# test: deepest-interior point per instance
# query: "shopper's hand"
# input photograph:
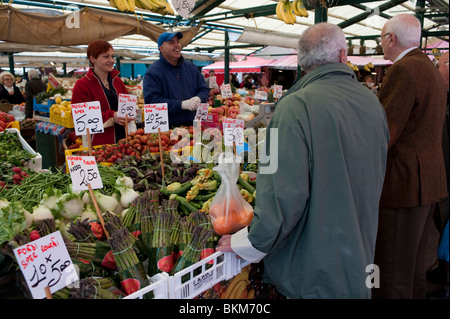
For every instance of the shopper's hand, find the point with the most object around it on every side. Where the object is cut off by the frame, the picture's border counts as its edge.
(189, 105)
(225, 244)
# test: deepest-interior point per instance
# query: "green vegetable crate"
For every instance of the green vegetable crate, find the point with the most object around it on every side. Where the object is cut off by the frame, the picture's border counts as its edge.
(36, 162)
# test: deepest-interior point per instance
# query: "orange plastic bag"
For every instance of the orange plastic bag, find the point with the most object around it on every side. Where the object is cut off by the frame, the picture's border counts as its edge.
(229, 211)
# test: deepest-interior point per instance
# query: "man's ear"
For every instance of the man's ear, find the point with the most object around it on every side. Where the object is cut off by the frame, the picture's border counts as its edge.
(343, 56)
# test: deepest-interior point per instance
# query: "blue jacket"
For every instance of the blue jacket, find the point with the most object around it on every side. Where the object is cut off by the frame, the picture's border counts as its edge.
(165, 83)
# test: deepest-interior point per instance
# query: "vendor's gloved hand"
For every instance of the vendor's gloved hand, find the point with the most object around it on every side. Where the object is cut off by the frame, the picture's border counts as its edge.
(196, 100)
(189, 105)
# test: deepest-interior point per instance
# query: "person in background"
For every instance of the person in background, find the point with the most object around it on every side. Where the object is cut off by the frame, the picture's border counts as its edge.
(33, 87)
(175, 81)
(413, 96)
(10, 91)
(211, 81)
(234, 80)
(102, 83)
(370, 84)
(439, 274)
(315, 219)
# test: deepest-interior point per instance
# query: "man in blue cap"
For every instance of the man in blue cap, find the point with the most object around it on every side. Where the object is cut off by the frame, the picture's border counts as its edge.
(175, 81)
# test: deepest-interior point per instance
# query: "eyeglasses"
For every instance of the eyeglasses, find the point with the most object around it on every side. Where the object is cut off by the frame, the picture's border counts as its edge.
(8, 79)
(382, 36)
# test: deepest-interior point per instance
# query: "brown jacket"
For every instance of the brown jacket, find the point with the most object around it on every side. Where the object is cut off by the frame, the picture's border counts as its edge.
(413, 95)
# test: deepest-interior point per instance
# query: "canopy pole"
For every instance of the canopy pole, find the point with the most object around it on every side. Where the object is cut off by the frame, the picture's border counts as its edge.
(227, 60)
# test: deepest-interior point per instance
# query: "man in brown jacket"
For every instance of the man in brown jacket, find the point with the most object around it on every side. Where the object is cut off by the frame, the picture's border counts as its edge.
(414, 99)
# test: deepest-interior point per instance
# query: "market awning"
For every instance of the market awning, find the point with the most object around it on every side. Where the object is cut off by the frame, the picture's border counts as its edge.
(247, 64)
(288, 62)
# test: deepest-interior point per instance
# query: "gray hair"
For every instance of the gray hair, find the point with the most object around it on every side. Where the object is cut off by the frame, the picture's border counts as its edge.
(406, 28)
(320, 44)
(5, 73)
(33, 74)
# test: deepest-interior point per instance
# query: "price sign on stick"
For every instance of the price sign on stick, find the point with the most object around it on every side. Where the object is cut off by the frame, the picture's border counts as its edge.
(83, 171)
(127, 106)
(225, 91)
(233, 131)
(45, 262)
(202, 112)
(87, 115)
(183, 7)
(156, 116)
(277, 91)
(260, 95)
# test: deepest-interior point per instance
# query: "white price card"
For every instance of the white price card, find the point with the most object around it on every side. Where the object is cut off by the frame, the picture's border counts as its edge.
(277, 91)
(87, 115)
(183, 7)
(127, 105)
(225, 91)
(202, 112)
(156, 116)
(45, 262)
(260, 95)
(233, 131)
(83, 171)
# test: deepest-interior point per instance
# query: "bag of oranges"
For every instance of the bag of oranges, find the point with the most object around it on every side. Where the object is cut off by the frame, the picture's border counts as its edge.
(229, 210)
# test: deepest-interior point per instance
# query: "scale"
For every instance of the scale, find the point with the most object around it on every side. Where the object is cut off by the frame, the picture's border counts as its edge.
(263, 118)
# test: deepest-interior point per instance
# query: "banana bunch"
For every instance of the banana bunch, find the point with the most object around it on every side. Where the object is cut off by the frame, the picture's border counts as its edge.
(162, 7)
(436, 53)
(299, 8)
(368, 66)
(123, 5)
(354, 67)
(285, 12)
(237, 289)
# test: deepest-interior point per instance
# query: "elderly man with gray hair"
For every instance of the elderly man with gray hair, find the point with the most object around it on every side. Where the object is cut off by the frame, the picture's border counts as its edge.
(33, 87)
(315, 217)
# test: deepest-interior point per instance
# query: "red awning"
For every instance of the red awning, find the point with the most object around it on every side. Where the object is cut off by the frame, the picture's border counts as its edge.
(249, 65)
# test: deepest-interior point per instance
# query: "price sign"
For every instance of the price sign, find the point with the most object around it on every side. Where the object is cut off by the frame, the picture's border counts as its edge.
(87, 115)
(183, 7)
(84, 170)
(202, 112)
(45, 262)
(225, 91)
(233, 131)
(277, 91)
(260, 95)
(156, 116)
(127, 105)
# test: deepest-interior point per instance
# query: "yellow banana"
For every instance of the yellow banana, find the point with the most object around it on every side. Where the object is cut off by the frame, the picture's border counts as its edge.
(159, 3)
(251, 294)
(370, 65)
(132, 5)
(366, 67)
(237, 290)
(147, 4)
(302, 9)
(290, 16)
(120, 5)
(279, 9)
(112, 3)
(355, 68)
(296, 7)
(169, 8)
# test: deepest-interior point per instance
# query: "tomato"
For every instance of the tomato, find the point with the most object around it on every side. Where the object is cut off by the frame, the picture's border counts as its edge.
(229, 222)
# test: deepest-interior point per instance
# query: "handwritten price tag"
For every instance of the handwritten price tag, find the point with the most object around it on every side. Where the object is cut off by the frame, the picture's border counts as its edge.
(45, 262)
(87, 115)
(156, 116)
(183, 7)
(127, 105)
(260, 95)
(202, 112)
(225, 91)
(84, 170)
(277, 91)
(233, 131)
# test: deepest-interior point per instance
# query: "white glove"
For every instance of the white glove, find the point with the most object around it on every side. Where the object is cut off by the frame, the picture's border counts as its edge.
(196, 100)
(188, 105)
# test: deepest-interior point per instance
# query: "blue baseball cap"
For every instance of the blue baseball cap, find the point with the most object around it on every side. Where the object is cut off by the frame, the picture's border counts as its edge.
(167, 36)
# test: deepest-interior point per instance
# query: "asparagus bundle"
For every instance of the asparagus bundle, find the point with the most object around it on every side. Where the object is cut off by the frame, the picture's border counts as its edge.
(45, 226)
(90, 269)
(132, 217)
(150, 204)
(193, 250)
(77, 293)
(91, 289)
(81, 231)
(131, 270)
(98, 252)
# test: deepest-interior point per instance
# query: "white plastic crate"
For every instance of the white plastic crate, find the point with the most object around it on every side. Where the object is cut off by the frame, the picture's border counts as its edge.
(36, 162)
(222, 268)
(159, 285)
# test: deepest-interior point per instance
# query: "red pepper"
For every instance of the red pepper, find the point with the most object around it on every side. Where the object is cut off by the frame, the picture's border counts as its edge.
(16, 169)
(34, 234)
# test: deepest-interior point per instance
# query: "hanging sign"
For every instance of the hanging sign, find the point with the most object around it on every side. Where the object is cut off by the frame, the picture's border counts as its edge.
(225, 91)
(233, 131)
(277, 91)
(45, 262)
(156, 116)
(183, 7)
(83, 171)
(202, 112)
(127, 106)
(87, 115)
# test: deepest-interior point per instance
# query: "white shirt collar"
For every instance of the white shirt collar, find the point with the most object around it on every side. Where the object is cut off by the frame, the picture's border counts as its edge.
(401, 55)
